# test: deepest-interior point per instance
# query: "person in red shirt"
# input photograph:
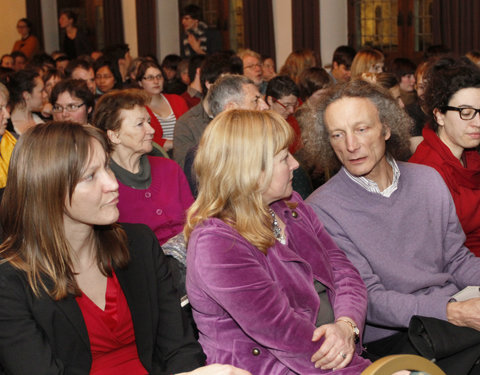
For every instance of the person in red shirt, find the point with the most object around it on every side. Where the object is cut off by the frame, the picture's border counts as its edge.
(164, 109)
(282, 97)
(81, 294)
(452, 137)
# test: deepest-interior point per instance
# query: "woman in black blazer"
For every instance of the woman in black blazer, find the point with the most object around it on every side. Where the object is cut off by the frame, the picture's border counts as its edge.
(62, 247)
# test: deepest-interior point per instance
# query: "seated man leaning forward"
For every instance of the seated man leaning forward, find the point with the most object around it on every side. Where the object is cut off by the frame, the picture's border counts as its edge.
(395, 221)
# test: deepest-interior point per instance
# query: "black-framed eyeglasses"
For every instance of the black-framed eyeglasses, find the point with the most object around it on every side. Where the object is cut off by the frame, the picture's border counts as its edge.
(286, 106)
(72, 107)
(466, 113)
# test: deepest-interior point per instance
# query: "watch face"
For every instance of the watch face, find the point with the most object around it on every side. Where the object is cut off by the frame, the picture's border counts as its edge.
(356, 335)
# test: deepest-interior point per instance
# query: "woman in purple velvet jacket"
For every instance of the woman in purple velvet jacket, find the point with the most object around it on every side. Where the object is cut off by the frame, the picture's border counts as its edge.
(270, 290)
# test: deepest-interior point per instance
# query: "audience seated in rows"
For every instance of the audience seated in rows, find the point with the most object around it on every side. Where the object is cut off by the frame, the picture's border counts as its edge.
(80, 293)
(73, 100)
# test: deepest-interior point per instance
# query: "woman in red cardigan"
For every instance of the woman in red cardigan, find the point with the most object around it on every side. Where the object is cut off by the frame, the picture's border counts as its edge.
(164, 109)
(452, 137)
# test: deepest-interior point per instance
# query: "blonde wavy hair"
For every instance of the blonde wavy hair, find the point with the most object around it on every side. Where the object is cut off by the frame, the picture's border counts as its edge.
(364, 60)
(234, 166)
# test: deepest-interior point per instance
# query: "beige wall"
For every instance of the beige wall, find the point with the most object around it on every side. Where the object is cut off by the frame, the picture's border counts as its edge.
(333, 27)
(282, 24)
(50, 25)
(11, 11)
(130, 26)
(168, 38)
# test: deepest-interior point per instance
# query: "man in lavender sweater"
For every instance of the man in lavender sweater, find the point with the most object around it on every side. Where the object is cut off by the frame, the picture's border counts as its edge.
(395, 221)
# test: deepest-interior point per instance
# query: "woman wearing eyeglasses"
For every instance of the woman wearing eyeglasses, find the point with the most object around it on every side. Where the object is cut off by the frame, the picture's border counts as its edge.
(452, 137)
(282, 97)
(72, 101)
(81, 294)
(164, 109)
(28, 43)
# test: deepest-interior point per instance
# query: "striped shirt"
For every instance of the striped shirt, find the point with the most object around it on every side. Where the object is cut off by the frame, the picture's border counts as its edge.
(372, 186)
(168, 124)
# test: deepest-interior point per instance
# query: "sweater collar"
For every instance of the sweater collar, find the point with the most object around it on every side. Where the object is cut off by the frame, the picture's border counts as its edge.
(140, 180)
(372, 186)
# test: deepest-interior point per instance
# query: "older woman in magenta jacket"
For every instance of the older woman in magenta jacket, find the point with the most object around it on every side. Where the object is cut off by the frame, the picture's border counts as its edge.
(153, 190)
(270, 290)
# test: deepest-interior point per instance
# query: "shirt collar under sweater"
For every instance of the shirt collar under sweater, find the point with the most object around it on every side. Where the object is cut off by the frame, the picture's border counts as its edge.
(372, 186)
(140, 180)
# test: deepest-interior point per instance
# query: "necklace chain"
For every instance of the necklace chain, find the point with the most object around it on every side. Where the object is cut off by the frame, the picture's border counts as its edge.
(277, 231)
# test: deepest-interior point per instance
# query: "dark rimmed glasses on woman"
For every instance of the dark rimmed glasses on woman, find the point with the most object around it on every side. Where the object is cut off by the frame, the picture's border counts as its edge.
(69, 107)
(466, 113)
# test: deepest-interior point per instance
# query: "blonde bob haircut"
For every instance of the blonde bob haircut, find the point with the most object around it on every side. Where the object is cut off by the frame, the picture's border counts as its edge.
(364, 60)
(47, 163)
(234, 167)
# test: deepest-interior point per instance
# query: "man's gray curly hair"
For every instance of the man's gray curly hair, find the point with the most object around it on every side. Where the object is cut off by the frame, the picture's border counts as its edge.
(316, 139)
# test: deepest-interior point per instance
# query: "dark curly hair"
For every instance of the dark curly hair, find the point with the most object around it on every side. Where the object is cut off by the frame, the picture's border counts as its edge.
(445, 78)
(315, 134)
